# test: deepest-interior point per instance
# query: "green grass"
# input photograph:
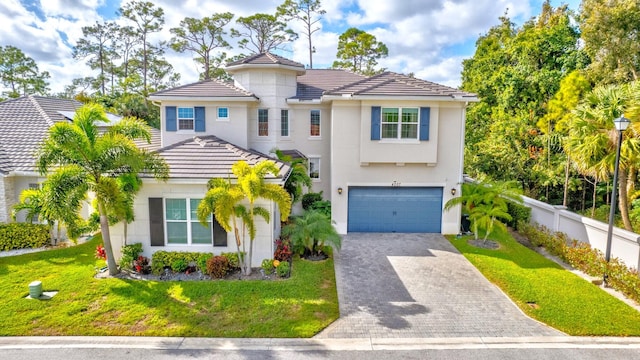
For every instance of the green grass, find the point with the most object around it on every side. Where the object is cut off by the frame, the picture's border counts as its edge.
(566, 301)
(297, 307)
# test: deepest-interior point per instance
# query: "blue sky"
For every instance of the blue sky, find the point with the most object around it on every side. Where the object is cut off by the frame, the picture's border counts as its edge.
(429, 38)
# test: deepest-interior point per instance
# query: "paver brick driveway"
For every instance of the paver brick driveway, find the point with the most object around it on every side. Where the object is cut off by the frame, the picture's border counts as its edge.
(419, 285)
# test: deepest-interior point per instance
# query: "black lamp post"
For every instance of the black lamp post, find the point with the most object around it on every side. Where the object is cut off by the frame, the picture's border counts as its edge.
(621, 125)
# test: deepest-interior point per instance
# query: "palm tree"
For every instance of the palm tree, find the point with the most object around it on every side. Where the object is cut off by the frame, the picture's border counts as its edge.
(233, 202)
(592, 140)
(83, 160)
(298, 177)
(312, 231)
(486, 203)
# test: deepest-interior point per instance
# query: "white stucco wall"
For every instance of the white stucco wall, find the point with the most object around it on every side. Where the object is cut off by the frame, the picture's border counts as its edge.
(233, 130)
(139, 232)
(424, 166)
(6, 198)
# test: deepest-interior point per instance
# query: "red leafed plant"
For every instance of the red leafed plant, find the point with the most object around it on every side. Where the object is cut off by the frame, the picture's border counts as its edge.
(283, 250)
(100, 253)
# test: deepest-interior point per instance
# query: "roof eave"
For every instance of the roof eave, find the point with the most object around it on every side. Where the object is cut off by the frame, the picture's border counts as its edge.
(349, 97)
(204, 98)
(304, 101)
(235, 68)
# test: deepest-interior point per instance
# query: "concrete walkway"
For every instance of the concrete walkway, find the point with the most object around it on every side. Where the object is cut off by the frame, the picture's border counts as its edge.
(419, 286)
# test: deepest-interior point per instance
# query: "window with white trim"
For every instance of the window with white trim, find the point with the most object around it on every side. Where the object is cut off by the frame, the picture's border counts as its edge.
(185, 118)
(284, 122)
(314, 168)
(223, 113)
(400, 123)
(314, 123)
(263, 122)
(182, 224)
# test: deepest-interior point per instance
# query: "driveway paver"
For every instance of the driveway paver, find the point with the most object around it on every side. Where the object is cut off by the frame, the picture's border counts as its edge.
(419, 286)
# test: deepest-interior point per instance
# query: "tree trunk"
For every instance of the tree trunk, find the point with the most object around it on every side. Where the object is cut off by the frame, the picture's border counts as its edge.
(106, 239)
(623, 200)
(593, 206)
(566, 184)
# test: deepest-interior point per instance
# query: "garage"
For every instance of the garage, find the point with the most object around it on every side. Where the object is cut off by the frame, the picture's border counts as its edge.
(395, 209)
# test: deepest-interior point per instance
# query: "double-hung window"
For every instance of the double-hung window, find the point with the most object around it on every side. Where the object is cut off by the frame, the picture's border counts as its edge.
(185, 118)
(263, 122)
(284, 122)
(314, 123)
(400, 123)
(183, 226)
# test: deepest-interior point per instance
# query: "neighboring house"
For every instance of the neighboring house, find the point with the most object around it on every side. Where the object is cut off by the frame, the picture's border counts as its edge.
(386, 150)
(24, 124)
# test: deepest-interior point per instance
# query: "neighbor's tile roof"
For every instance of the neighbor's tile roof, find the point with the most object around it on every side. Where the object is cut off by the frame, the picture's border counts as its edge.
(155, 144)
(315, 82)
(208, 157)
(266, 59)
(394, 84)
(205, 88)
(24, 123)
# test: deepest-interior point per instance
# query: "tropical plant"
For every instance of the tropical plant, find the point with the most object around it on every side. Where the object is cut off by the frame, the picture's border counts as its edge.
(486, 203)
(298, 177)
(84, 160)
(232, 203)
(310, 232)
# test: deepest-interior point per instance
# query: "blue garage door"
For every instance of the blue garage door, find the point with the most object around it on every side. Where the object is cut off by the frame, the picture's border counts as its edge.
(395, 209)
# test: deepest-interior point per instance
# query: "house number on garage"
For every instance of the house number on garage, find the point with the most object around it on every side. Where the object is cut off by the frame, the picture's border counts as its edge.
(395, 183)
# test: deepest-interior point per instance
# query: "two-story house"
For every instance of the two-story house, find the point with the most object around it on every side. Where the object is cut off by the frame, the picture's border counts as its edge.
(387, 150)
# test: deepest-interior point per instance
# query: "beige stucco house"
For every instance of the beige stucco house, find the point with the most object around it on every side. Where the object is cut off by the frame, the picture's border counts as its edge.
(387, 150)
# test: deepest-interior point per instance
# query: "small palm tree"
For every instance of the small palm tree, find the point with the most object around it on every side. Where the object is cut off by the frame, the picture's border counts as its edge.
(486, 203)
(298, 178)
(78, 159)
(312, 231)
(230, 202)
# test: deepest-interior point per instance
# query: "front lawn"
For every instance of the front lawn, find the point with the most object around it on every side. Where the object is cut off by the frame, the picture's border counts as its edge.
(298, 307)
(548, 293)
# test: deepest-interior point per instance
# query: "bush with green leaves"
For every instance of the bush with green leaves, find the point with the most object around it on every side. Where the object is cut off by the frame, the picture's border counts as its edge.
(202, 261)
(234, 262)
(283, 270)
(267, 266)
(179, 265)
(519, 213)
(218, 266)
(162, 259)
(129, 254)
(583, 257)
(309, 199)
(23, 236)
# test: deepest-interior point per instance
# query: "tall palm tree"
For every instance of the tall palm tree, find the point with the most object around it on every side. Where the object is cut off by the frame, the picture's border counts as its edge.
(77, 158)
(592, 140)
(232, 203)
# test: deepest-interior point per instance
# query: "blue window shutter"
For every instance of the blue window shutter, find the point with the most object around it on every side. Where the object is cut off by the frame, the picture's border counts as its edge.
(170, 118)
(375, 122)
(425, 114)
(199, 119)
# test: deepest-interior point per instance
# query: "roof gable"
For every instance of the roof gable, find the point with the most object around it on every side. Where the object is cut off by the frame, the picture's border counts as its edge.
(204, 89)
(315, 82)
(266, 58)
(208, 157)
(394, 84)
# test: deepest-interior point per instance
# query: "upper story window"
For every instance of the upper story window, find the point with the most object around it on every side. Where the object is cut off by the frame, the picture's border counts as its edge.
(314, 167)
(185, 118)
(314, 123)
(263, 122)
(400, 123)
(284, 122)
(223, 113)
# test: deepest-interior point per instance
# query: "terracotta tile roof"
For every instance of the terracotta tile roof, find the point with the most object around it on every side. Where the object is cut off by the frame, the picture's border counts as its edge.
(24, 123)
(315, 82)
(209, 157)
(205, 88)
(394, 84)
(266, 59)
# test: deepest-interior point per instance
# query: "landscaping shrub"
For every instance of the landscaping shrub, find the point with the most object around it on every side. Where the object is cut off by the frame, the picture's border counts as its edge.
(283, 250)
(267, 266)
(129, 254)
(583, 257)
(23, 236)
(519, 213)
(323, 207)
(218, 266)
(283, 269)
(162, 259)
(179, 265)
(309, 199)
(234, 262)
(202, 261)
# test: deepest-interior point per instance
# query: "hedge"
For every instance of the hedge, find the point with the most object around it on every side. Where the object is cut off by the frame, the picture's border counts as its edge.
(583, 257)
(162, 259)
(519, 213)
(22, 236)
